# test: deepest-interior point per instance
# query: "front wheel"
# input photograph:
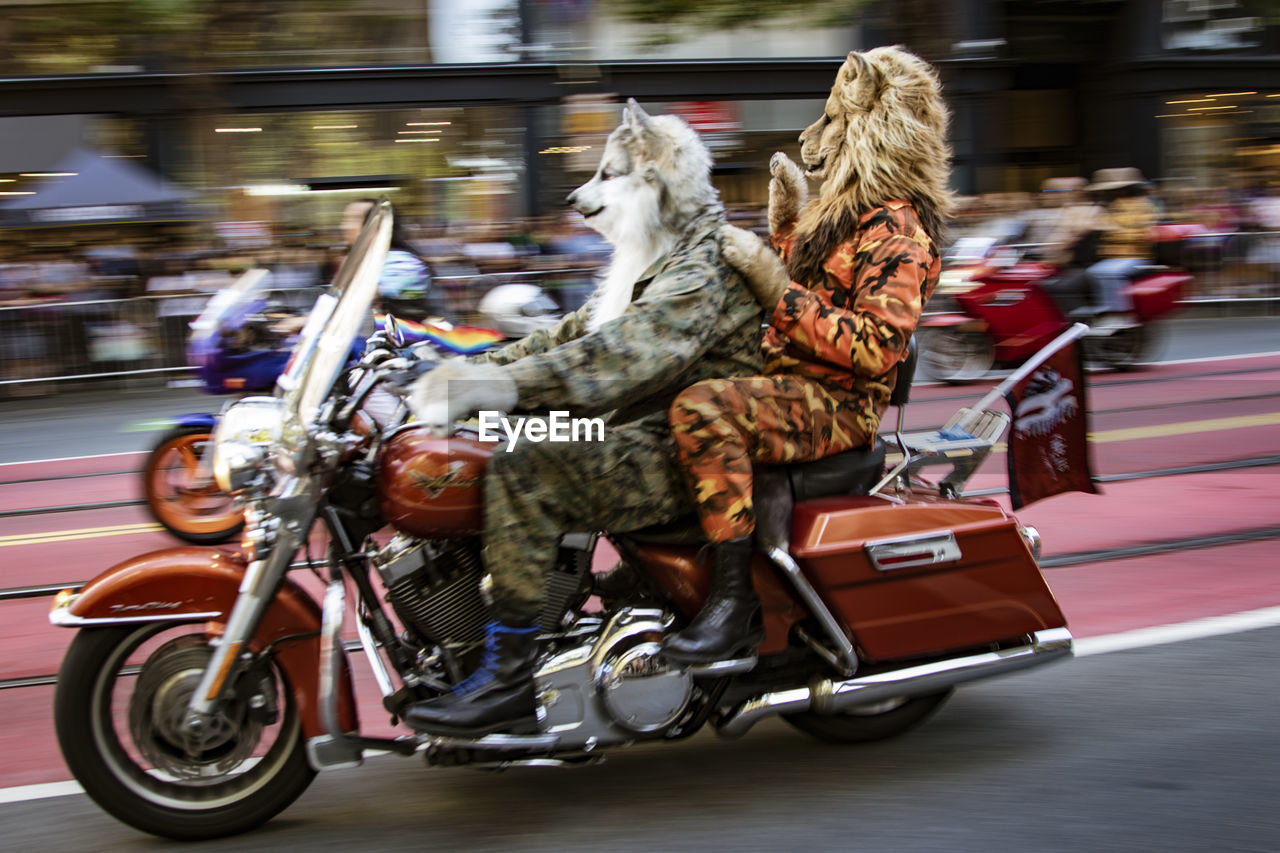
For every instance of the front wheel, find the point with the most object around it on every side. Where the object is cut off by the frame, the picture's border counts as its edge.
(179, 489)
(875, 721)
(954, 355)
(119, 711)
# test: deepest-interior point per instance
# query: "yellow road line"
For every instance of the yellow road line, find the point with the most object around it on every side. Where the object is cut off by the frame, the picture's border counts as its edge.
(1102, 437)
(1107, 436)
(82, 533)
(1184, 428)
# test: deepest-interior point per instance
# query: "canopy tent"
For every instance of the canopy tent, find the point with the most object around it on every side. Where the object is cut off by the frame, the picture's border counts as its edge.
(97, 190)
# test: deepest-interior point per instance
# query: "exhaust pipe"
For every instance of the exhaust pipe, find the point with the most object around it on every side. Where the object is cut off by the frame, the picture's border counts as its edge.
(833, 697)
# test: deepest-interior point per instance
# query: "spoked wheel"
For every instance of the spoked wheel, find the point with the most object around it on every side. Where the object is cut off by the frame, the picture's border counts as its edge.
(180, 491)
(119, 713)
(954, 355)
(874, 721)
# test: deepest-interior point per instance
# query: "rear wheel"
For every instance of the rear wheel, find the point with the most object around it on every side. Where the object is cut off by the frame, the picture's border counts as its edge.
(955, 355)
(1124, 349)
(178, 485)
(875, 721)
(119, 712)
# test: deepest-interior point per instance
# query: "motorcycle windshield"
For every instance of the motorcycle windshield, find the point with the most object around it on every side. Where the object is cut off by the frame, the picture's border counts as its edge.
(228, 308)
(325, 342)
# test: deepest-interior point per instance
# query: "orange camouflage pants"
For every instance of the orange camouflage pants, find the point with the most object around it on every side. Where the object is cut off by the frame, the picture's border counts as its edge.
(722, 426)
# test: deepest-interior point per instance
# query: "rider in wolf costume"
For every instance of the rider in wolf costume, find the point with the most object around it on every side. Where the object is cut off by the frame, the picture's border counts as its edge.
(860, 262)
(670, 312)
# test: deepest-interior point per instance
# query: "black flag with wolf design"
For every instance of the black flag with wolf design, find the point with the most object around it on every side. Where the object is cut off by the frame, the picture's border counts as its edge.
(1048, 443)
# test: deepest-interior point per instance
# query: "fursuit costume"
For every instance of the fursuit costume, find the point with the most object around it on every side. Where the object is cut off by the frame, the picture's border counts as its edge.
(691, 318)
(831, 359)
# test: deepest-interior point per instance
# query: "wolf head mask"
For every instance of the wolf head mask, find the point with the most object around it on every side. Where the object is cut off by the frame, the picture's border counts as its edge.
(653, 184)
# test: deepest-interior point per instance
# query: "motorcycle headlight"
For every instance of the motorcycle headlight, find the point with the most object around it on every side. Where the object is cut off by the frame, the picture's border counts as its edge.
(246, 431)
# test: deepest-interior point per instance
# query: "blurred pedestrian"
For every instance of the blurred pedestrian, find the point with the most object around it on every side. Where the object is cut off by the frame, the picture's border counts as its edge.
(404, 287)
(1127, 236)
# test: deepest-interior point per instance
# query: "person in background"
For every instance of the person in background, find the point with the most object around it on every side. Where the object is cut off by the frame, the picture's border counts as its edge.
(404, 288)
(1069, 241)
(1127, 224)
(1067, 237)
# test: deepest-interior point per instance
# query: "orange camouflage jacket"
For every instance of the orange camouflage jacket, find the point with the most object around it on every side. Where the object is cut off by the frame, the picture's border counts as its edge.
(851, 330)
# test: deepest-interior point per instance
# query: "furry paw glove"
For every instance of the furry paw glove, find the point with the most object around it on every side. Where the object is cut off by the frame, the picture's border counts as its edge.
(457, 389)
(787, 192)
(760, 267)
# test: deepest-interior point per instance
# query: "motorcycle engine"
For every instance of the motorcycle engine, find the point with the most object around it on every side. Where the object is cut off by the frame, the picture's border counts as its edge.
(641, 691)
(435, 587)
(616, 686)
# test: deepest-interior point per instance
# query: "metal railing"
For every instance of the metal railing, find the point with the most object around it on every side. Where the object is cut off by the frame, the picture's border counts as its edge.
(145, 336)
(51, 342)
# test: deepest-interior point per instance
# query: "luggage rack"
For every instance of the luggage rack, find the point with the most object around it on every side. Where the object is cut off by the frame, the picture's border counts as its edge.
(968, 437)
(964, 443)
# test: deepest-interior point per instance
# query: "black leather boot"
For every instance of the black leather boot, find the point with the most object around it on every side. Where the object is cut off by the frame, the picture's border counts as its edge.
(727, 626)
(497, 696)
(621, 583)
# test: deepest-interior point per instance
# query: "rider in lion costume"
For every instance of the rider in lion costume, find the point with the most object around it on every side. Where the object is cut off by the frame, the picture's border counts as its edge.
(860, 261)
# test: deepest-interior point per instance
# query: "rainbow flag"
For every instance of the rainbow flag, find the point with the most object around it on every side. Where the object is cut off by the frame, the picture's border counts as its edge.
(460, 340)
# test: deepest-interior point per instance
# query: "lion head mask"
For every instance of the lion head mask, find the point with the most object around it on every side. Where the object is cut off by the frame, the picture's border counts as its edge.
(882, 136)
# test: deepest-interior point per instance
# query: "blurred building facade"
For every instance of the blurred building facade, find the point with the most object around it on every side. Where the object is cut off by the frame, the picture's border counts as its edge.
(487, 110)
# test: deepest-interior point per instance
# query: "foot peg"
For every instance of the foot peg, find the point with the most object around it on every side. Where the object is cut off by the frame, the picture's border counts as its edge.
(722, 668)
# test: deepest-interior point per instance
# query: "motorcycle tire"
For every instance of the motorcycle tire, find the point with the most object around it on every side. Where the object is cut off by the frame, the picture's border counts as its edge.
(1123, 350)
(878, 721)
(955, 356)
(175, 796)
(195, 512)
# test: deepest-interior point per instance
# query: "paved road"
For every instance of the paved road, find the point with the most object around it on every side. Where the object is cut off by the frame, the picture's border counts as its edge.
(1163, 748)
(130, 419)
(1171, 748)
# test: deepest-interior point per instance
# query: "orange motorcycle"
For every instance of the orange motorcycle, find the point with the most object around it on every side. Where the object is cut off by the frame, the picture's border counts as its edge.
(205, 688)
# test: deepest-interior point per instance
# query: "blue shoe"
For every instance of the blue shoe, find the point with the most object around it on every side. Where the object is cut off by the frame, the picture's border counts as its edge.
(497, 696)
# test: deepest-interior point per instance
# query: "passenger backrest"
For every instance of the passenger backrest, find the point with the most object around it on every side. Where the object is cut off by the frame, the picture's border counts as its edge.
(906, 373)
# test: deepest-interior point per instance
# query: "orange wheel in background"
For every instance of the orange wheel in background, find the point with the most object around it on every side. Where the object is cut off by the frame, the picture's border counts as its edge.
(180, 491)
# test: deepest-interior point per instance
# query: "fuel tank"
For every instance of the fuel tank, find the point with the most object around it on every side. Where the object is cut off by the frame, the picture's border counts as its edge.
(433, 487)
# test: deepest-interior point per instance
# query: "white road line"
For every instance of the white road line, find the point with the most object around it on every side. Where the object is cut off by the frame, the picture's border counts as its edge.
(76, 458)
(1211, 626)
(46, 791)
(1204, 358)
(1196, 629)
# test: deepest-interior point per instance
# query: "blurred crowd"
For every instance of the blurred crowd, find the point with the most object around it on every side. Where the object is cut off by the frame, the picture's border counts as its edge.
(87, 307)
(1230, 237)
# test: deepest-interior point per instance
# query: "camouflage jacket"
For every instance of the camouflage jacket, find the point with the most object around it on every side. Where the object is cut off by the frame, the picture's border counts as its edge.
(851, 330)
(691, 318)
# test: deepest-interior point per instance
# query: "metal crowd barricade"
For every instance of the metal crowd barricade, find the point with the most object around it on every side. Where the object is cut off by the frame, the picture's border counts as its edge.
(1235, 265)
(43, 343)
(55, 341)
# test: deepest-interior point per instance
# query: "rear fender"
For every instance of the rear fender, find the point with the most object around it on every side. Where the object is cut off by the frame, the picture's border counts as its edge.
(200, 585)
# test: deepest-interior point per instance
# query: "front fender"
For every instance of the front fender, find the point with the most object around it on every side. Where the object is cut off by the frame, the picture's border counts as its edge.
(197, 419)
(200, 585)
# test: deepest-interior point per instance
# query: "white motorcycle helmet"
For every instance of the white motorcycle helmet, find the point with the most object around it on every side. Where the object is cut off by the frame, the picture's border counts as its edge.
(516, 310)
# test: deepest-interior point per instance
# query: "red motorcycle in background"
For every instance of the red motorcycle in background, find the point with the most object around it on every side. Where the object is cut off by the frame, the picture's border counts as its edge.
(205, 688)
(1004, 314)
(1000, 311)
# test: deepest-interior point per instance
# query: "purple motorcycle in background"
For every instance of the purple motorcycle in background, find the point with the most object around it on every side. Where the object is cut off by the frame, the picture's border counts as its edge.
(240, 344)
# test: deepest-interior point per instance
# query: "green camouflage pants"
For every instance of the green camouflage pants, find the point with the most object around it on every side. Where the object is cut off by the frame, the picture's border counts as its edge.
(540, 491)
